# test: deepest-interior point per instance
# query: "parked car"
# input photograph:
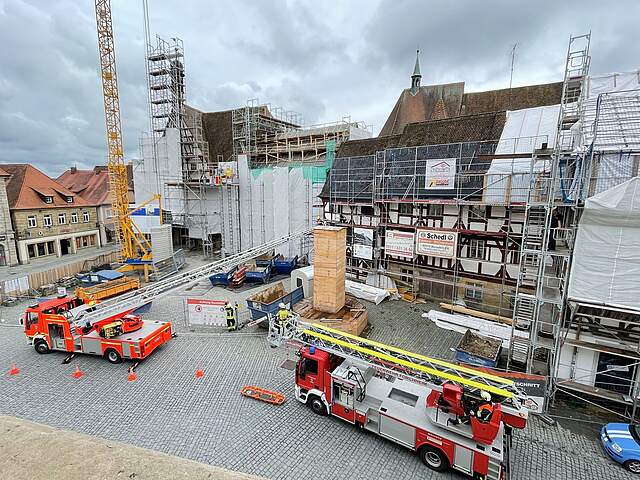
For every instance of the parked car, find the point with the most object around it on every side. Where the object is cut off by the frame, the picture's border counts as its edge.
(622, 442)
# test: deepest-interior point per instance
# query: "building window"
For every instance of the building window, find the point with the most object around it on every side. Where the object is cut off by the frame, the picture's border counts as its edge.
(85, 241)
(109, 213)
(365, 210)
(48, 199)
(477, 213)
(405, 209)
(74, 217)
(31, 250)
(473, 291)
(31, 221)
(62, 218)
(85, 217)
(435, 210)
(476, 249)
(406, 275)
(69, 199)
(46, 221)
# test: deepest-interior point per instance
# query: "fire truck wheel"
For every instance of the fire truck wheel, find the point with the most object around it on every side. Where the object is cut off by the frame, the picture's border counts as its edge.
(434, 458)
(317, 406)
(112, 356)
(41, 347)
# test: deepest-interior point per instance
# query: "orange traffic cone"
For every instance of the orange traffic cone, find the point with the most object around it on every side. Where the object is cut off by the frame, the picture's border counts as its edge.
(78, 373)
(14, 370)
(199, 373)
(132, 377)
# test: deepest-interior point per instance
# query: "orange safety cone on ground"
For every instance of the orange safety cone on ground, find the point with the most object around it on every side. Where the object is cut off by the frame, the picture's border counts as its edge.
(78, 373)
(199, 373)
(14, 370)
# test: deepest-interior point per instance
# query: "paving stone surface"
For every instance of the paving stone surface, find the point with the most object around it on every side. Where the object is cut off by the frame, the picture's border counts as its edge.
(206, 419)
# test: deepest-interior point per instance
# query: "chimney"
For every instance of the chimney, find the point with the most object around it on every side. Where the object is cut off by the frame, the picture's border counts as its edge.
(74, 170)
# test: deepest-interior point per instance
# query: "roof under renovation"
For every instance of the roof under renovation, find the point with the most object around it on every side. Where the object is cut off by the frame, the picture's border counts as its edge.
(432, 102)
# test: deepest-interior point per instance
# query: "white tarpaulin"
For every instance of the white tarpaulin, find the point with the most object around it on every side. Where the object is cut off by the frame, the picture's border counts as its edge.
(508, 180)
(606, 264)
(366, 292)
(462, 323)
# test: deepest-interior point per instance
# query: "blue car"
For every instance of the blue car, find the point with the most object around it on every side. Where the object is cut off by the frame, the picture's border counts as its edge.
(622, 442)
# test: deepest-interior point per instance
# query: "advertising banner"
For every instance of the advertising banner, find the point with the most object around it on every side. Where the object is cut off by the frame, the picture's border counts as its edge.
(399, 243)
(441, 174)
(436, 243)
(363, 243)
(206, 312)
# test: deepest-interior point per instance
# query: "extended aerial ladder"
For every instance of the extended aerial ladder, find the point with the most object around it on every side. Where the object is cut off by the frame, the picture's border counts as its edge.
(400, 363)
(128, 302)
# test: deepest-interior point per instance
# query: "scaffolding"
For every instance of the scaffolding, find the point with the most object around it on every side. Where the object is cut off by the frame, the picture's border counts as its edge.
(363, 191)
(183, 186)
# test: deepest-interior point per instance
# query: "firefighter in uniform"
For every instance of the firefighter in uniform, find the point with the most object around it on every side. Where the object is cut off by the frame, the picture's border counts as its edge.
(485, 409)
(482, 413)
(231, 317)
(282, 317)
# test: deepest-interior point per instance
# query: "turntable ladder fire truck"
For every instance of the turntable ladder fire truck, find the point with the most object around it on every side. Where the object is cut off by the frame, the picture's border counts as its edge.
(111, 328)
(411, 399)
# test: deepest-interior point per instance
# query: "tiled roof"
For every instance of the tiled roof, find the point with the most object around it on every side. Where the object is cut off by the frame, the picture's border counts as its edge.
(91, 185)
(469, 128)
(3, 173)
(28, 186)
(219, 135)
(431, 101)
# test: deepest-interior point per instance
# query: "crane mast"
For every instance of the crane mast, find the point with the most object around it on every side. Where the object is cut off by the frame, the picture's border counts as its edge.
(133, 244)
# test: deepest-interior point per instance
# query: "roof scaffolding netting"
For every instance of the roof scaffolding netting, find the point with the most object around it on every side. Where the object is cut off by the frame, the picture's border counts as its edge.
(610, 116)
(524, 131)
(606, 262)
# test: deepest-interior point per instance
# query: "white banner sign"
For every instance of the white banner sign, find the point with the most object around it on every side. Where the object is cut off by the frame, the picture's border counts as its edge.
(206, 312)
(363, 243)
(436, 243)
(399, 243)
(441, 174)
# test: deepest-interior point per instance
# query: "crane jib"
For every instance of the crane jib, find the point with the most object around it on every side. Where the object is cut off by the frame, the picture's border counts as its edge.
(433, 372)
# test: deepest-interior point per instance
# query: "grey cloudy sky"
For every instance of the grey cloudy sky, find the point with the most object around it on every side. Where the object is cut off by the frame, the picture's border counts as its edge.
(324, 59)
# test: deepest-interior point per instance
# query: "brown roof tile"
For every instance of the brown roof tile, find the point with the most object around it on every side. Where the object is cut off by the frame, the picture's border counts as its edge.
(3, 173)
(431, 101)
(219, 135)
(28, 185)
(91, 185)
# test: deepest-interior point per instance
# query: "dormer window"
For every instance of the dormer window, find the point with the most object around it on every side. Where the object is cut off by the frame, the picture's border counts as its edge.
(48, 199)
(69, 199)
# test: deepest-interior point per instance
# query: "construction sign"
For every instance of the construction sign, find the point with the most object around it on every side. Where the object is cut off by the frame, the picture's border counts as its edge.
(206, 312)
(436, 243)
(363, 243)
(441, 174)
(399, 243)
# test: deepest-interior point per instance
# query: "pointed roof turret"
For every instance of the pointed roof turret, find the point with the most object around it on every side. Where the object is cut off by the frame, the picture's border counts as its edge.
(416, 76)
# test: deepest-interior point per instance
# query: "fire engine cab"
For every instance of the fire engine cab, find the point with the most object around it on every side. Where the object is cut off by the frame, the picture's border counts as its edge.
(56, 324)
(424, 404)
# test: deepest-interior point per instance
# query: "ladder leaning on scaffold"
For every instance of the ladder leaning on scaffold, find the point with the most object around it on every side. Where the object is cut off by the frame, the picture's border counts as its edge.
(412, 366)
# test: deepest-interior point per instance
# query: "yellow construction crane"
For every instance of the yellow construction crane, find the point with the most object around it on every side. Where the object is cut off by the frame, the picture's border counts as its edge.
(134, 247)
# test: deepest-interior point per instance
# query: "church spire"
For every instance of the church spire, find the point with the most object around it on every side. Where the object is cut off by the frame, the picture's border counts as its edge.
(416, 77)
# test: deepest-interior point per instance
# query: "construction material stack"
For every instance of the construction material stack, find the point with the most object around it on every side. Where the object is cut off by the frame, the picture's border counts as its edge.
(330, 245)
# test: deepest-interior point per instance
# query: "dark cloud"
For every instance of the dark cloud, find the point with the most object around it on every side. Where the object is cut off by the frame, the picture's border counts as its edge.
(325, 60)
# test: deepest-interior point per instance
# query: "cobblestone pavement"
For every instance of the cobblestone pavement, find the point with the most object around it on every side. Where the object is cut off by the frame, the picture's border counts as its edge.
(206, 419)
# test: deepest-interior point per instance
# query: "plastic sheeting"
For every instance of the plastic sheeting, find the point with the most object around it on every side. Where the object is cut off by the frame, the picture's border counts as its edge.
(508, 180)
(274, 202)
(606, 262)
(462, 323)
(365, 292)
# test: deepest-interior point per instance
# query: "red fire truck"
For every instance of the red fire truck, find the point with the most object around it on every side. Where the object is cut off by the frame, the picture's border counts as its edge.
(424, 404)
(56, 324)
